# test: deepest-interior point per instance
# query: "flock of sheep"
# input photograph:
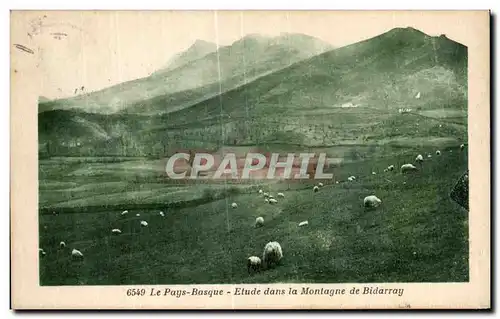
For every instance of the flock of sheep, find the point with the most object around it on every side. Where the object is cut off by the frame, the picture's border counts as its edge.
(273, 252)
(75, 253)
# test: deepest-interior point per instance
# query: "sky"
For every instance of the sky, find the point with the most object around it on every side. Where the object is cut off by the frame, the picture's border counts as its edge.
(98, 49)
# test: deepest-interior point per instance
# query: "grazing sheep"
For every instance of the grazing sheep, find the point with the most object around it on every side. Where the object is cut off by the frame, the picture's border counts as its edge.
(76, 253)
(125, 212)
(259, 222)
(137, 214)
(336, 182)
(41, 251)
(351, 178)
(253, 263)
(405, 168)
(62, 244)
(419, 158)
(390, 168)
(234, 205)
(272, 254)
(315, 189)
(304, 223)
(266, 195)
(270, 196)
(438, 153)
(373, 173)
(144, 223)
(116, 231)
(272, 201)
(320, 184)
(260, 191)
(429, 155)
(281, 195)
(54, 213)
(162, 214)
(462, 146)
(266, 200)
(372, 201)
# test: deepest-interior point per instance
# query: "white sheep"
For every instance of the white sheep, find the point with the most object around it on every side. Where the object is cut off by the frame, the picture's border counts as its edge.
(350, 178)
(266, 200)
(125, 212)
(429, 155)
(405, 168)
(162, 214)
(270, 196)
(260, 191)
(137, 214)
(462, 146)
(266, 194)
(320, 184)
(76, 253)
(116, 231)
(438, 152)
(281, 195)
(234, 205)
(373, 173)
(259, 222)
(372, 201)
(272, 201)
(304, 223)
(315, 189)
(272, 254)
(253, 263)
(62, 244)
(144, 223)
(41, 251)
(419, 158)
(390, 167)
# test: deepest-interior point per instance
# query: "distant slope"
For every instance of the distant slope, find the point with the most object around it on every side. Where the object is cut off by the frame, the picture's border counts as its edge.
(196, 51)
(348, 96)
(243, 61)
(43, 99)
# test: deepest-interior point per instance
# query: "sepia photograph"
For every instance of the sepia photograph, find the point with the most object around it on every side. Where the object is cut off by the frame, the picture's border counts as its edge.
(190, 158)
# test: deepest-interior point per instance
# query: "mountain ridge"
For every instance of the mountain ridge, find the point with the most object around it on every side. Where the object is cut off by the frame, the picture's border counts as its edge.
(236, 61)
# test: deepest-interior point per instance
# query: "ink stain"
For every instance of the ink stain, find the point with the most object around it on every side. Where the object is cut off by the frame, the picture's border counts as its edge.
(24, 48)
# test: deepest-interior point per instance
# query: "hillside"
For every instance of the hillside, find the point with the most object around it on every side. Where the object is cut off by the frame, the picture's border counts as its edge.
(348, 96)
(233, 65)
(196, 51)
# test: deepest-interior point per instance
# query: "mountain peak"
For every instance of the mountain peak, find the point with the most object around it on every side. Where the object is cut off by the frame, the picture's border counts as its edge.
(197, 50)
(406, 31)
(202, 44)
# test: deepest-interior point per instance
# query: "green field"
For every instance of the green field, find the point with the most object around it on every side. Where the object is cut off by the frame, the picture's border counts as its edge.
(418, 234)
(98, 158)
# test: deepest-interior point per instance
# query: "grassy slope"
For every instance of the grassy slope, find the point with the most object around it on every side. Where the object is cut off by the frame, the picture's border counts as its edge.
(418, 234)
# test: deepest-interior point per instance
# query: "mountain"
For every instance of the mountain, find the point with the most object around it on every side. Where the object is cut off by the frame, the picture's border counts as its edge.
(384, 72)
(212, 74)
(197, 50)
(348, 96)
